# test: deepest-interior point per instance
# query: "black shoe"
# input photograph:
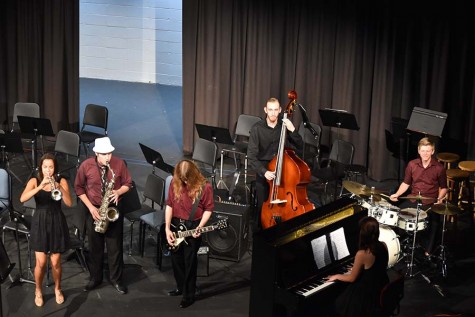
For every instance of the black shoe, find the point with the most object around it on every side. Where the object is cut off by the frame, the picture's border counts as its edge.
(175, 292)
(91, 285)
(122, 289)
(186, 302)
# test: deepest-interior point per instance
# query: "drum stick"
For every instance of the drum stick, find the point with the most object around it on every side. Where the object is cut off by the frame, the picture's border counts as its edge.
(385, 196)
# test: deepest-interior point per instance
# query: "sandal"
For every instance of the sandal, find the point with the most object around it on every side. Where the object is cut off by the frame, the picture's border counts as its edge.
(59, 297)
(39, 299)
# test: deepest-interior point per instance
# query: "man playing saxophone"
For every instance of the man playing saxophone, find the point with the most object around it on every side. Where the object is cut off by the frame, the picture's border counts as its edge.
(100, 181)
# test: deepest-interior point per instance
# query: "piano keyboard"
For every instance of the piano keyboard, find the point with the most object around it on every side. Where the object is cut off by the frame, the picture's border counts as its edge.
(319, 284)
(313, 288)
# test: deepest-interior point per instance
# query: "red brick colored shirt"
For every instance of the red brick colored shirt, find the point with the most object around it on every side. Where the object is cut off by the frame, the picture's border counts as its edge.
(88, 178)
(182, 208)
(425, 181)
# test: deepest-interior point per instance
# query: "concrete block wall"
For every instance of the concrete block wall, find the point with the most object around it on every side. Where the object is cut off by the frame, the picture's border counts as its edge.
(131, 40)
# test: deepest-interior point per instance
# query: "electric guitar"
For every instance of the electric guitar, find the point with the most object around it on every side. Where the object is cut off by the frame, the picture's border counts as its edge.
(181, 232)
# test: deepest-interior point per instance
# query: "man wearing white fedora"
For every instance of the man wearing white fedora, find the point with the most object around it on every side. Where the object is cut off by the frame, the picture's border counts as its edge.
(92, 179)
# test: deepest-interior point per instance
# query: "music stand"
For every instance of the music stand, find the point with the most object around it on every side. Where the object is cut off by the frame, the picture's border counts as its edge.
(341, 119)
(338, 118)
(214, 134)
(34, 127)
(306, 122)
(10, 142)
(425, 122)
(155, 159)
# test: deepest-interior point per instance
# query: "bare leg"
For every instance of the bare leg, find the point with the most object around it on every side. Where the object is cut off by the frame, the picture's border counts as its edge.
(39, 275)
(57, 271)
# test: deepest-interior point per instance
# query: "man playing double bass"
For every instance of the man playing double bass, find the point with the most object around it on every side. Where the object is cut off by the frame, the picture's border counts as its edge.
(263, 145)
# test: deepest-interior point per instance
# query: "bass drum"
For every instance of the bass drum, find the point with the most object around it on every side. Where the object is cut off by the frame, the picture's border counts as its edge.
(388, 236)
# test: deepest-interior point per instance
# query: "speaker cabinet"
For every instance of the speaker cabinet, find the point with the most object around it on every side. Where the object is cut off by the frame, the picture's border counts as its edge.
(229, 243)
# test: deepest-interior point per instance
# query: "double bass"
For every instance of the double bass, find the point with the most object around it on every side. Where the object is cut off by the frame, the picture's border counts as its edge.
(288, 190)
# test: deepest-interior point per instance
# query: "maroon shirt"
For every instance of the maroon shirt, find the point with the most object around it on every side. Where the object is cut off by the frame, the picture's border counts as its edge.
(425, 181)
(88, 178)
(182, 208)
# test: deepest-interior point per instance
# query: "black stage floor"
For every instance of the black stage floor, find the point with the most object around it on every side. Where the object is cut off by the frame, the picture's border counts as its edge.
(155, 121)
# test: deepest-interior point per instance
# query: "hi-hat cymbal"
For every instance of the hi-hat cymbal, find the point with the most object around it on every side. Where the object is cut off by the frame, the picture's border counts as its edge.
(446, 209)
(417, 197)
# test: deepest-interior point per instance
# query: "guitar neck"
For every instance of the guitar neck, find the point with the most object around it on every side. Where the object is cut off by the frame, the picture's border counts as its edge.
(187, 233)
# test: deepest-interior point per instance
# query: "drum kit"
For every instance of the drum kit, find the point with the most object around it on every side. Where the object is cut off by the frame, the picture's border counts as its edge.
(408, 221)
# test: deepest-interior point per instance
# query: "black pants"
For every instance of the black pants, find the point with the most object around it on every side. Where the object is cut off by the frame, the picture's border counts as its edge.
(262, 194)
(113, 239)
(185, 263)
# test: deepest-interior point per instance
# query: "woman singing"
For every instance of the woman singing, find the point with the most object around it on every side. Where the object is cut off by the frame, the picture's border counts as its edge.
(187, 186)
(368, 275)
(49, 230)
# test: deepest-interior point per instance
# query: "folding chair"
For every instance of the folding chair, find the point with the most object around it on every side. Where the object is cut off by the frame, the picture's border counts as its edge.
(95, 120)
(206, 153)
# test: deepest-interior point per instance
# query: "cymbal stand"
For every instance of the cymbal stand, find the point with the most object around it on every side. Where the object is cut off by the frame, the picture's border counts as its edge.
(410, 272)
(221, 184)
(443, 256)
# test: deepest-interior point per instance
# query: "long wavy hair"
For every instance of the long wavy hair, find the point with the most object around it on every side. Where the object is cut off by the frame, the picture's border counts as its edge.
(369, 234)
(47, 156)
(187, 174)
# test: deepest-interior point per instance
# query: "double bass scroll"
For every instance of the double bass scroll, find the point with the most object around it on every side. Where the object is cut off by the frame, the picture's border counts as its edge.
(288, 190)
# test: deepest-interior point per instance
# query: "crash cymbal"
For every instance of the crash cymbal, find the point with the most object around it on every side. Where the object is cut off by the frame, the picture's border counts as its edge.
(446, 209)
(353, 187)
(368, 191)
(417, 197)
(374, 197)
(362, 190)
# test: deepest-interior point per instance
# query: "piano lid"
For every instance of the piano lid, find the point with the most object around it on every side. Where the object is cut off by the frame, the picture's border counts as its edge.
(309, 222)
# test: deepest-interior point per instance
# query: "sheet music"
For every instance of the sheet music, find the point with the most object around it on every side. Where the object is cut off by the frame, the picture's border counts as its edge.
(339, 247)
(321, 254)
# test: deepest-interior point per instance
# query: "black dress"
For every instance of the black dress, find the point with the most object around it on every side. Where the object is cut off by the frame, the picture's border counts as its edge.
(49, 229)
(361, 297)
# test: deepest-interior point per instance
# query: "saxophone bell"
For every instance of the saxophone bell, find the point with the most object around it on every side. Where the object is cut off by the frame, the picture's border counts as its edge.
(112, 214)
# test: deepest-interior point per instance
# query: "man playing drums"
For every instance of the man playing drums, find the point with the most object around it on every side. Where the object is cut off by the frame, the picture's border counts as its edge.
(428, 182)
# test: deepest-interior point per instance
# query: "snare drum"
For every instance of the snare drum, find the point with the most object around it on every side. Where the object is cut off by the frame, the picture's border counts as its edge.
(388, 236)
(407, 220)
(387, 213)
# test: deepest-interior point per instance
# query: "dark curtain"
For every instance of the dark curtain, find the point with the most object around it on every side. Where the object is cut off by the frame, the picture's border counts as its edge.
(376, 59)
(39, 59)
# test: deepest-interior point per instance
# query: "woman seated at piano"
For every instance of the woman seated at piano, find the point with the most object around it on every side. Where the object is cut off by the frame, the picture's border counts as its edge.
(367, 276)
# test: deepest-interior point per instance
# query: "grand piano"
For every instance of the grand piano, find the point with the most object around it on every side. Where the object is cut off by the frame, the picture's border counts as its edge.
(291, 260)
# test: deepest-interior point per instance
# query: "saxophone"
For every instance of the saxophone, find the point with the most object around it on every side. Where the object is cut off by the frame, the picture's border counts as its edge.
(106, 212)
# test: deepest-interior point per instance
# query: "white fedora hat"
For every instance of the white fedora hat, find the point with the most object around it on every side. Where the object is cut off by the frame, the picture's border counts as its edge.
(103, 145)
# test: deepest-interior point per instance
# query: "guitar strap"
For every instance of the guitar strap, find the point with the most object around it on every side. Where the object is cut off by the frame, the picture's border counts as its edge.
(193, 210)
